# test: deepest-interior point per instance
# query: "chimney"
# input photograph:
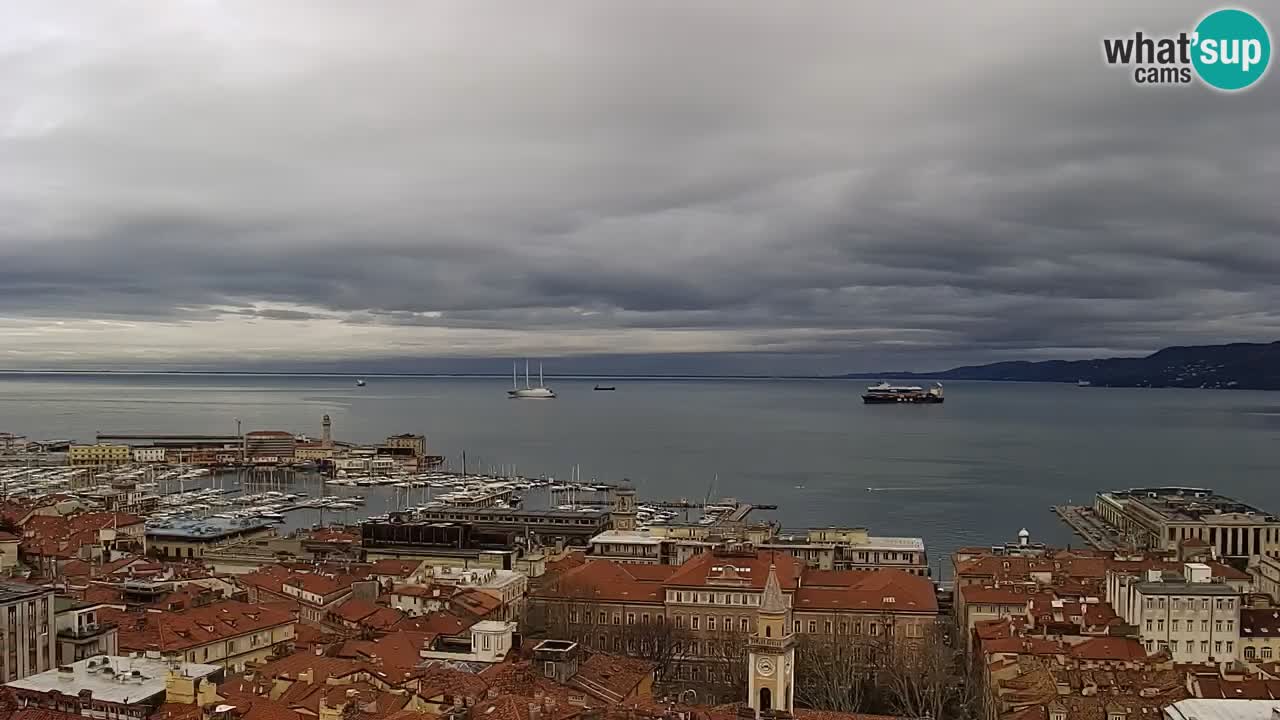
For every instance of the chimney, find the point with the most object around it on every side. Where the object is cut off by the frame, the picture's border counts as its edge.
(535, 711)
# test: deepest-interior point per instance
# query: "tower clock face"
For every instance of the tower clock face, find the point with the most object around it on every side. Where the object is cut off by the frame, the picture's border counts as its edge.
(764, 666)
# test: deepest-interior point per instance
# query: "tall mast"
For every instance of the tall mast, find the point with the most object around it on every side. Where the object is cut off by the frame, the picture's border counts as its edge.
(540, 383)
(514, 385)
(526, 372)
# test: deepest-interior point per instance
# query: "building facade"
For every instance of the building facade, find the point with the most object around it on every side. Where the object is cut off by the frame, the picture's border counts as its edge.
(1163, 517)
(27, 639)
(709, 607)
(148, 455)
(417, 444)
(1194, 618)
(81, 634)
(99, 455)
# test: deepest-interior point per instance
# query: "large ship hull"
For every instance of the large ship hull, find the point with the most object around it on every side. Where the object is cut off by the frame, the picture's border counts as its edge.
(531, 394)
(896, 399)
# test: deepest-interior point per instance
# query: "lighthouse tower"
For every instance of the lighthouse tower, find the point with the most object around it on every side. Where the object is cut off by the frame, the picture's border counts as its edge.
(326, 432)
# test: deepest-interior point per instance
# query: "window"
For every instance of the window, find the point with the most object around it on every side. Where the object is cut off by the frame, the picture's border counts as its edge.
(844, 628)
(644, 619)
(680, 622)
(1266, 653)
(1174, 625)
(1160, 625)
(603, 620)
(573, 617)
(1231, 646)
(711, 622)
(1190, 647)
(1204, 647)
(742, 625)
(631, 618)
(875, 629)
(1217, 626)
(1249, 652)
(797, 626)
(1217, 647)
(693, 622)
(813, 626)
(1204, 626)
(617, 619)
(549, 669)
(1149, 624)
(617, 643)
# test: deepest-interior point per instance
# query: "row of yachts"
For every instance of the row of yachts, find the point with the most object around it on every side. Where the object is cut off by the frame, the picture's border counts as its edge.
(270, 506)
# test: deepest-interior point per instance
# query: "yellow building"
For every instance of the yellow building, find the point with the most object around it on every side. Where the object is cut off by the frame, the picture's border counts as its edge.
(99, 455)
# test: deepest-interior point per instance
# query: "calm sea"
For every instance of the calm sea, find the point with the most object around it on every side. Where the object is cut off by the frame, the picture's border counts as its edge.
(972, 471)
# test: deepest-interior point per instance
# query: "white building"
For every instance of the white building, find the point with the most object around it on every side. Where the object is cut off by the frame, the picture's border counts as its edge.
(1193, 617)
(148, 454)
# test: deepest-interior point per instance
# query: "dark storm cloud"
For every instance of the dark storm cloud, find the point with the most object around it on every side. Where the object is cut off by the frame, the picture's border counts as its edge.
(844, 185)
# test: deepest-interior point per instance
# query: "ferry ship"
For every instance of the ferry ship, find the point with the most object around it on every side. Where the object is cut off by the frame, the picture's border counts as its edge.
(885, 393)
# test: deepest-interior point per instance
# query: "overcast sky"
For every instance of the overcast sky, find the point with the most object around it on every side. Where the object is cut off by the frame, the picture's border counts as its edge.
(777, 186)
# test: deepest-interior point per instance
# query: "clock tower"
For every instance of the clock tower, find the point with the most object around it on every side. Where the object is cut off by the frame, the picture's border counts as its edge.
(772, 652)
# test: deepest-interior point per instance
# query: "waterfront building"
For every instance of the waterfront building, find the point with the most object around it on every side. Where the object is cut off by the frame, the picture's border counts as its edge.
(269, 446)
(81, 634)
(229, 634)
(1189, 614)
(109, 687)
(27, 640)
(175, 538)
(313, 451)
(122, 497)
(1162, 517)
(539, 527)
(99, 455)
(148, 454)
(417, 444)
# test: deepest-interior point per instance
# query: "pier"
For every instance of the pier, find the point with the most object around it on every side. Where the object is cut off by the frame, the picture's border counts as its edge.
(1093, 529)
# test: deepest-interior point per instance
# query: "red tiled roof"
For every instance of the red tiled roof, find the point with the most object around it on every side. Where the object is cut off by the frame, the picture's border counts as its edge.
(611, 678)
(752, 567)
(437, 623)
(604, 580)
(474, 604)
(1109, 648)
(889, 590)
(176, 631)
(1006, 595)
(355, 610)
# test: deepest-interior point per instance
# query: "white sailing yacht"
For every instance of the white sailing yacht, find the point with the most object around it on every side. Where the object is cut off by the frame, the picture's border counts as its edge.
(528, 392)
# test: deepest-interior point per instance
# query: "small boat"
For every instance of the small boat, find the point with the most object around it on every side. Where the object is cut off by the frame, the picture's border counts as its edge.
(360, 383)
(1083, 383)
(605, 387)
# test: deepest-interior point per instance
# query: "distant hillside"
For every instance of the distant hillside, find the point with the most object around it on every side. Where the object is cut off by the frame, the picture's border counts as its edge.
(1245, 366)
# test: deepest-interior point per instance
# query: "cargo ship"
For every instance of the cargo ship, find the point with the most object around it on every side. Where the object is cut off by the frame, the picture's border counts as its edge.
(885, 393)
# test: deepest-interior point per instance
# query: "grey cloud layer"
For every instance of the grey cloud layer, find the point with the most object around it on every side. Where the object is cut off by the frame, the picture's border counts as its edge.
(839, 180)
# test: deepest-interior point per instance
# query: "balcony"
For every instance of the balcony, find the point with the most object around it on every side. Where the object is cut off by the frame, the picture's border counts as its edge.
(772, 643)
(86, 632)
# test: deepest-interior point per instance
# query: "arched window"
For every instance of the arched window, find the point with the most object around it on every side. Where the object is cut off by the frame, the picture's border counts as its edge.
(1249, 652)
(1266, 653)
(765, 699)
(768, 631)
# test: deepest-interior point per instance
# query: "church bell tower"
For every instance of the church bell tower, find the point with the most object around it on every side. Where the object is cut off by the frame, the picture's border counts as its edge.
(772, 652)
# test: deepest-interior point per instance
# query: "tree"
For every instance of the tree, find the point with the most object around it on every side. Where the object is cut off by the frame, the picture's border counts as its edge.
(832, 673)
(925, 676)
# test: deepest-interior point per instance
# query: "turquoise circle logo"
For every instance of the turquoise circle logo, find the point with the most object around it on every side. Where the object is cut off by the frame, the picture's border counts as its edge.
(1232, 49)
